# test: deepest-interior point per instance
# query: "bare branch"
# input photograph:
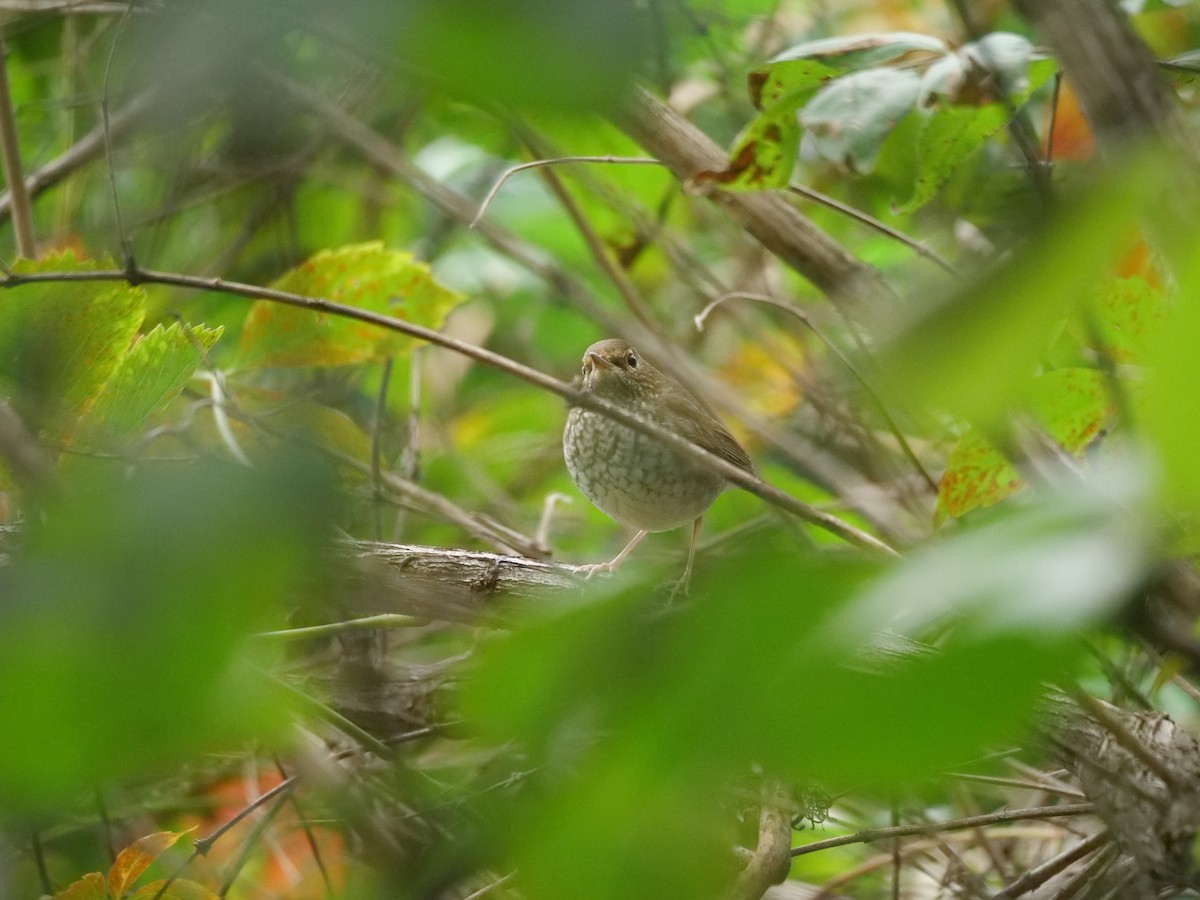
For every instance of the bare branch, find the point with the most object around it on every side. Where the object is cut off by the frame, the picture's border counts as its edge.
(85, 150)
(693, 452)
(562, 160)
(1006, 815)
(772, 857)
(10, 148)
(779, 226)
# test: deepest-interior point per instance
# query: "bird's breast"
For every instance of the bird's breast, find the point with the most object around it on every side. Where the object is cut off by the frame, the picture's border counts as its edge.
(632, 477)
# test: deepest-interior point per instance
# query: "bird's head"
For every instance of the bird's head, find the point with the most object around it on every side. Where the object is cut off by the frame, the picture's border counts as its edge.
(614, 370)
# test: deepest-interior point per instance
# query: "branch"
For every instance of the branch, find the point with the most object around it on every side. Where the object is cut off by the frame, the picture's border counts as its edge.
(777, 225)
(441, 584)
(1006, 815)
(772, 857)
(85, 150)
(1120, 88)
(681, 445)
(1039, 875)
(10, 149)
(20, 450)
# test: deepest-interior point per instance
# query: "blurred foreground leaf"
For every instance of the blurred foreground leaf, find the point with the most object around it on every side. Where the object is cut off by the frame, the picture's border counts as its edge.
(639, 717)
(127, 607)
(971, 354)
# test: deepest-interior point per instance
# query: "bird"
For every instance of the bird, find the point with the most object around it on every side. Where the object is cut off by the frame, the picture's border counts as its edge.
(631, 476)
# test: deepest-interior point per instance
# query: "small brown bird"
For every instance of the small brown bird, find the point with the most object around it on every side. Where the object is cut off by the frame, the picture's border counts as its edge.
(630, 476)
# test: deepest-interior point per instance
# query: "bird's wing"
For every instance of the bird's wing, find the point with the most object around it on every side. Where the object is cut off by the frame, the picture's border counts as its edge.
(699, 426)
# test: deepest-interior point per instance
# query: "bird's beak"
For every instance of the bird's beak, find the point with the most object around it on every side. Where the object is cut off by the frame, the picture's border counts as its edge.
(592, 360)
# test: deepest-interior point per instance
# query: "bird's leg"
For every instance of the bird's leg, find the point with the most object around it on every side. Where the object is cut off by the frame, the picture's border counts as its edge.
(593, 568)
(681, 586)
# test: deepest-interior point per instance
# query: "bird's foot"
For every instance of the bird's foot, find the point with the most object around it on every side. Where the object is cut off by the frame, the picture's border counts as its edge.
(679, 590)
(587, 571)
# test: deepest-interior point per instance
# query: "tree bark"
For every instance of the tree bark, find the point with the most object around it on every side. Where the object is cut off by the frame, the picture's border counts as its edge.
(776, 224)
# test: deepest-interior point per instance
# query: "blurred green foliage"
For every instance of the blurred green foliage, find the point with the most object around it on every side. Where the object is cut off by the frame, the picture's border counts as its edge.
(611, 744)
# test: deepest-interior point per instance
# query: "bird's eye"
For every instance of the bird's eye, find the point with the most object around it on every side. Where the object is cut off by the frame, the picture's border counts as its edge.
(631, 360)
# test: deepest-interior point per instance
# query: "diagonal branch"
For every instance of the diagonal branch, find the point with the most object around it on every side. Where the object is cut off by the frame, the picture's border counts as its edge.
(774, 222)
(693, 452)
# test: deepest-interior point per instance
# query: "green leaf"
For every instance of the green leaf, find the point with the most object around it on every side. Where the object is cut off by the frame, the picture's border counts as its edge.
(787, 82)
(976, 475)
(763, 155)
(368, 276)
(971, 355)
(1126, 313)
(60, 343)
(849, 118)
(148, 377)
(1073, 406)
(1166, 405)
(948, 138)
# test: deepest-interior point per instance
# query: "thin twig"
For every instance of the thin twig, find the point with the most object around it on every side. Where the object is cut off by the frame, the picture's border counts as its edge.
(82, 152)
(1017, 783)
(1054, 98)
(1094, 869)
(39, 858)
(383, 620)
(249, 845)
(561, 160)
(204, 845)
(106, 823)
(617, 275)
(542, 535)
(1039, 875)
(488, 888)
(385, 380)
(1020, 129)
(10, 147)
(1007, 815)
(897, 859)
(876, 400)
(313, 847)
(918, 247)
(20, 450)
(734, 474)
(62, 7)
(106, 124)
(332, 717)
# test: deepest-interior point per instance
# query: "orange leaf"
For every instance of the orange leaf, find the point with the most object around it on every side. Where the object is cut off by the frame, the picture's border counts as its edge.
(89, 887)
(136, 858)
(1072, 136)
